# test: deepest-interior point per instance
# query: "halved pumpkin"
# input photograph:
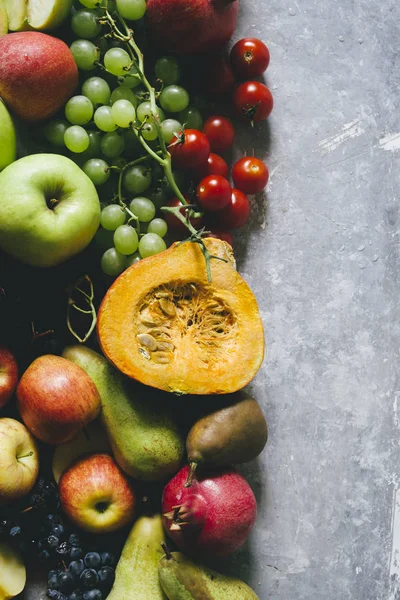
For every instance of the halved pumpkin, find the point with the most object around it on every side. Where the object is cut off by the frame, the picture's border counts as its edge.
(163, 323)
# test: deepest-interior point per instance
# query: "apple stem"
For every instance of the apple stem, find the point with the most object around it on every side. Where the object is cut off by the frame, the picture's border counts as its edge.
(25, 455)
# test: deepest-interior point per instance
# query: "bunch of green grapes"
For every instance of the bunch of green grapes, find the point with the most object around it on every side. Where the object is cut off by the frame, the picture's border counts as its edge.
(101, 124)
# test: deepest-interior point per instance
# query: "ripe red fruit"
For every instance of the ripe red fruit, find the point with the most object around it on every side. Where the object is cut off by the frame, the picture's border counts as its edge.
(216, 76)
(174, 223)
(190, 149)
(249, 58)
(8, 375)
(213, 516)
(253, 101)
(215, 165)
(214, 193)
(220, 133)
(236, 213)
(192, 26)
(250, 175)
(37, 74)
(225, 236)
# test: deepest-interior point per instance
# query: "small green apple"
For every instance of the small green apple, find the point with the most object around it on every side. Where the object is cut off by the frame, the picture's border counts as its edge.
(3, 19)
(17, 14)
(8, 138)
(48, 14)
(12, 572)
(49, 209)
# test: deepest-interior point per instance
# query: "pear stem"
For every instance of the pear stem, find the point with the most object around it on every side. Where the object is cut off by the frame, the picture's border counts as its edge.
(167, 551)
(189, 480)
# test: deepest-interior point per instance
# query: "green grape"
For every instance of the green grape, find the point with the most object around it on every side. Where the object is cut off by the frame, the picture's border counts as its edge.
(94, 142)
(119, 161)
(103, 119)
(76, 139)
(150, 244)
(97, 170)
(158, 196)
(192, 118)
(149, 132)
(112, 216)
(97, 90)
(133, 259)
(89, 3)
(54, 132)
(117, 61)
(137, 179)
(126, 239)
(131, 9)
(143, 208)
(168, 128)
(123, 112)
(112, 144)
(123, 93)
(130, 80)
(158, 226)
(113, 262)
(79, 110)
(132, 144)
(144, 110)
(85, 54)
(174, 98)
(84, 24)
(167, 69)
(103, 239)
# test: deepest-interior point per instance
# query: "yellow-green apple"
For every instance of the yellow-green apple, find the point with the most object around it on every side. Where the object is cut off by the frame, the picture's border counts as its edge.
(56, 398)
(17, 17)
(47, 14)
(8, 375)
(3, 19)
(37, 74)
(96, 495)
(12, 572)
(8, 137)
(92, 439)
(19, 460)
(49, 209)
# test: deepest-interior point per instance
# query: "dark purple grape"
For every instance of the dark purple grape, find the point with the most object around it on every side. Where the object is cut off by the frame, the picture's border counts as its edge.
(63, 549)
(106, 575)
(52, 580)
(89, 578)
(92, 560)
(66, 581)
(76, 553)
(44, 556)
(53, 541)
(74, 540)
(57, 530)
(76, 595)
(108, 559)
(51, 519)
(76, 567)
(93, 595)
(54, 594)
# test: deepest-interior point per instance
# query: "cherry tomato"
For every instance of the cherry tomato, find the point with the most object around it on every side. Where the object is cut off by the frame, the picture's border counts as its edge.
(174, 223)
(253, 101)
(236, 213)
(220, 133)
(222, 235)
(250, 175)
(214, 193)
(190, 149)
(249, 58)
(215, 165)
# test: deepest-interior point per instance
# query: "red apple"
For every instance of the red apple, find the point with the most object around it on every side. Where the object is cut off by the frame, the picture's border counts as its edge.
(37, 74)
(96, 495)
(8, 375)
(56, 398)
(192, 26)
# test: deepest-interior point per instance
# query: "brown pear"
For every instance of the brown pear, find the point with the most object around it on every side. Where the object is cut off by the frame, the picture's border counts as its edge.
(233, 434)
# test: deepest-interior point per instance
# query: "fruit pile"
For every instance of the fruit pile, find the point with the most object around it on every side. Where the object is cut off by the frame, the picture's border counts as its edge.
(110, 447)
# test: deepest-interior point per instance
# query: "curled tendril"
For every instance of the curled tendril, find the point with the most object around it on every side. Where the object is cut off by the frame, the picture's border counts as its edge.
(87, 297)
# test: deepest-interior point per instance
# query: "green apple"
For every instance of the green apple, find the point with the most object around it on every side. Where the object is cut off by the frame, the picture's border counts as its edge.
(19, 460)
(3, 19)
(49, 209)
(8, 138)
(12, 572)
(17, 14)
(91, 439)
(48, 14)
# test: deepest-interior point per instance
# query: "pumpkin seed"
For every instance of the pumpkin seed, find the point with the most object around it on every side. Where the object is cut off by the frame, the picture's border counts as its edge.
(166, 346)
(144, 353)
(148, 341)
(162, 358)
(167, 307)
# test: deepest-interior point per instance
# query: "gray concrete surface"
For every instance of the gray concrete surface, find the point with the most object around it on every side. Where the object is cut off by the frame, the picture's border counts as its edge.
(322, 255)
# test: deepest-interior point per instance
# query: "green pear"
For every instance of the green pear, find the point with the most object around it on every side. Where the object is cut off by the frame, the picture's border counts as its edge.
(145, 441)
(182, 579)
(136, 575)
(8, 138)
(3, 19)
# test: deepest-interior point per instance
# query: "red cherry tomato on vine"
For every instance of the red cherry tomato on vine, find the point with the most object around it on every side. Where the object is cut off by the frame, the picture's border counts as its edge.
(250, 175)
(174, 223)
(214, 193)
(249, 58)
(190, 149)
(215, 166)
(222, 235)
(237, 212)
(220, 133)
(253, 101)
